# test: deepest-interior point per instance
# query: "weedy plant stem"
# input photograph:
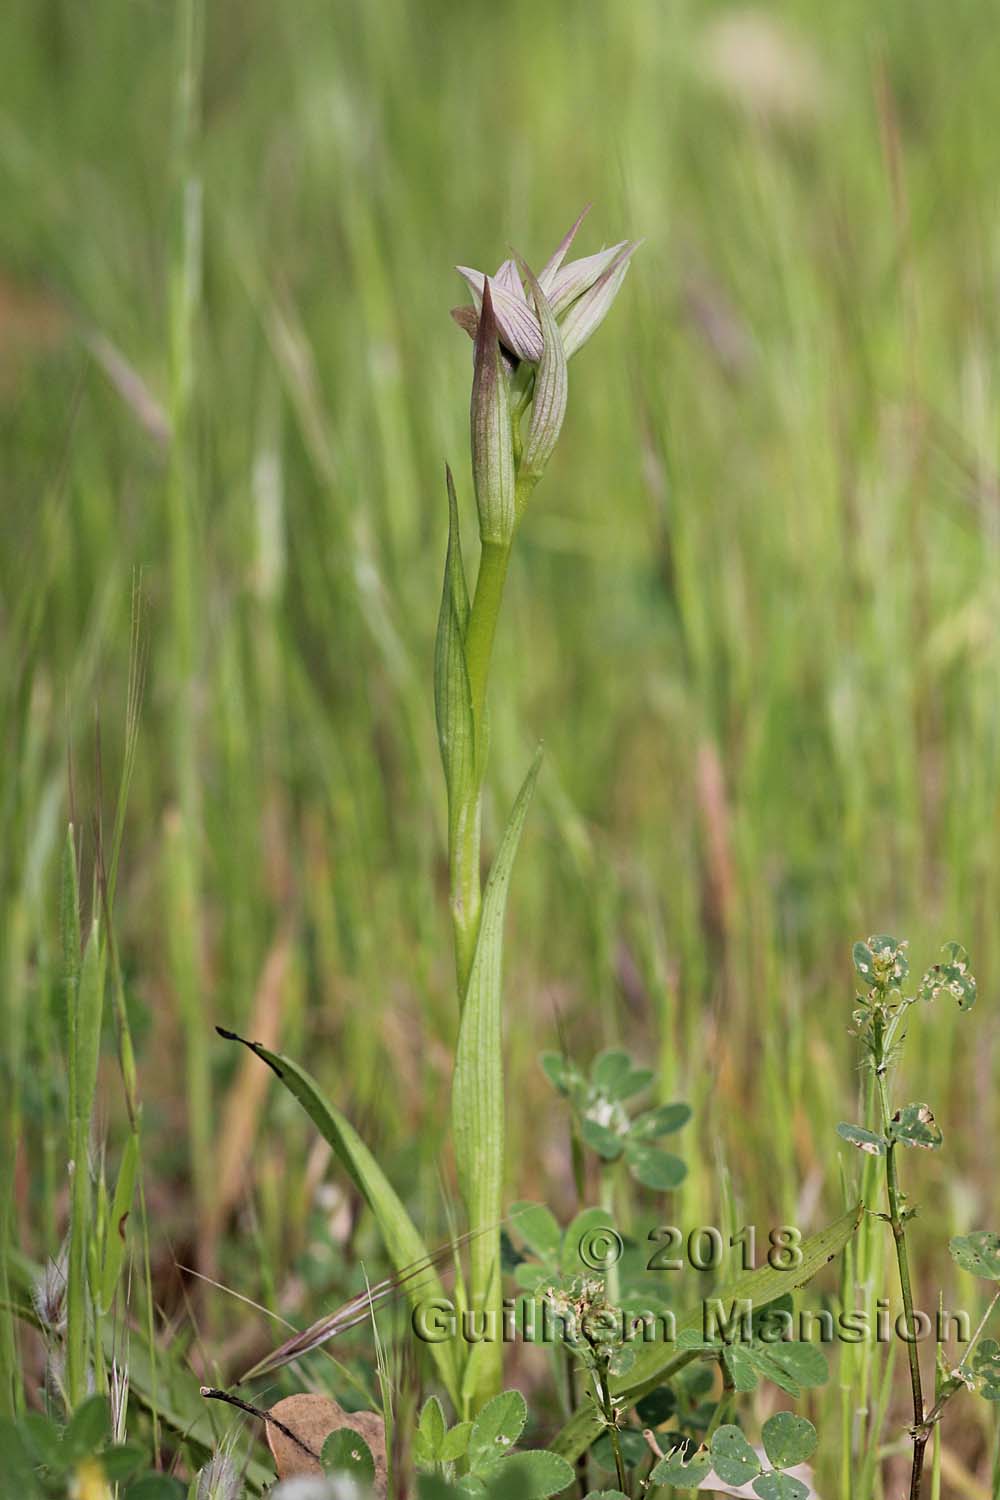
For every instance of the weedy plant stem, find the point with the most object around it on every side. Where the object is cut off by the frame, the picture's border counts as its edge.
(880, 1016)
(920, 1433)
(883, 1039)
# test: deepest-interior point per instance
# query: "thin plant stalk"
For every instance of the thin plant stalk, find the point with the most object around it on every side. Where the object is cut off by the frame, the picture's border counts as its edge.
(897, 1222)
(183, 875)
(879, 1016)
(920, 1433)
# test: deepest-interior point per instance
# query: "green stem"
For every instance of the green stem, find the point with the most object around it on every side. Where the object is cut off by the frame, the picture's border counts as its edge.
(482, 627)
(724, 1405)
(608, 1408)
(920, 1432)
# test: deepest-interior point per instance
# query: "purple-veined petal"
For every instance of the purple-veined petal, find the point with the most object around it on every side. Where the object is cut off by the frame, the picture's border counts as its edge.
(579, 276)
(516, 322)
(589, 311)
(548, 407)
(547, 274)
(508, 278)
(492, 445)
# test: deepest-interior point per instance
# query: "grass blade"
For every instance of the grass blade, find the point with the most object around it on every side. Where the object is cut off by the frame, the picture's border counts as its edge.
(121, 1207)
(85, 1030)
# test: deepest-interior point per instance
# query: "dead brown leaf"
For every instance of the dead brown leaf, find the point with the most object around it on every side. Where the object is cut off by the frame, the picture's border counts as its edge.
(310, 1419)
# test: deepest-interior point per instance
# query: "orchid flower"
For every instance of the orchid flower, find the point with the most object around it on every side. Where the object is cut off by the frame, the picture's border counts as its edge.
(579, 293)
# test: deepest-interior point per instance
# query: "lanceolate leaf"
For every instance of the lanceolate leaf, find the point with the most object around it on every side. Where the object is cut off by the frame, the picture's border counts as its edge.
(403, 1243)
(121, 1207)
(758, 1287)
(87, 1031)
(477, 1089)
(452, 697)
(69, 921)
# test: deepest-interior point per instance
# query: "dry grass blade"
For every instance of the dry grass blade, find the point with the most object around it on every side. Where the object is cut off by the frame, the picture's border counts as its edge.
(350, 1314)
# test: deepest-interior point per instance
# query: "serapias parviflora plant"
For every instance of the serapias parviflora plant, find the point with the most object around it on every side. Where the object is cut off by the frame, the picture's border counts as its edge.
(525, 328)
(880, 1017)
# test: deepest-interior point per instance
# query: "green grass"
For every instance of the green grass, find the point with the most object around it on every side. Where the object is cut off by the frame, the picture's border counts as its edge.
(752, 611)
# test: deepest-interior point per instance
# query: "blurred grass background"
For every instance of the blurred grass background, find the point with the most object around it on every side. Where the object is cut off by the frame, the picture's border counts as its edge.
(752, 614)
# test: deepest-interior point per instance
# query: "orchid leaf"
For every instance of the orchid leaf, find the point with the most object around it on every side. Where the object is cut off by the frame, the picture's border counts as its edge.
(403, 1243)
(477, 1091)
